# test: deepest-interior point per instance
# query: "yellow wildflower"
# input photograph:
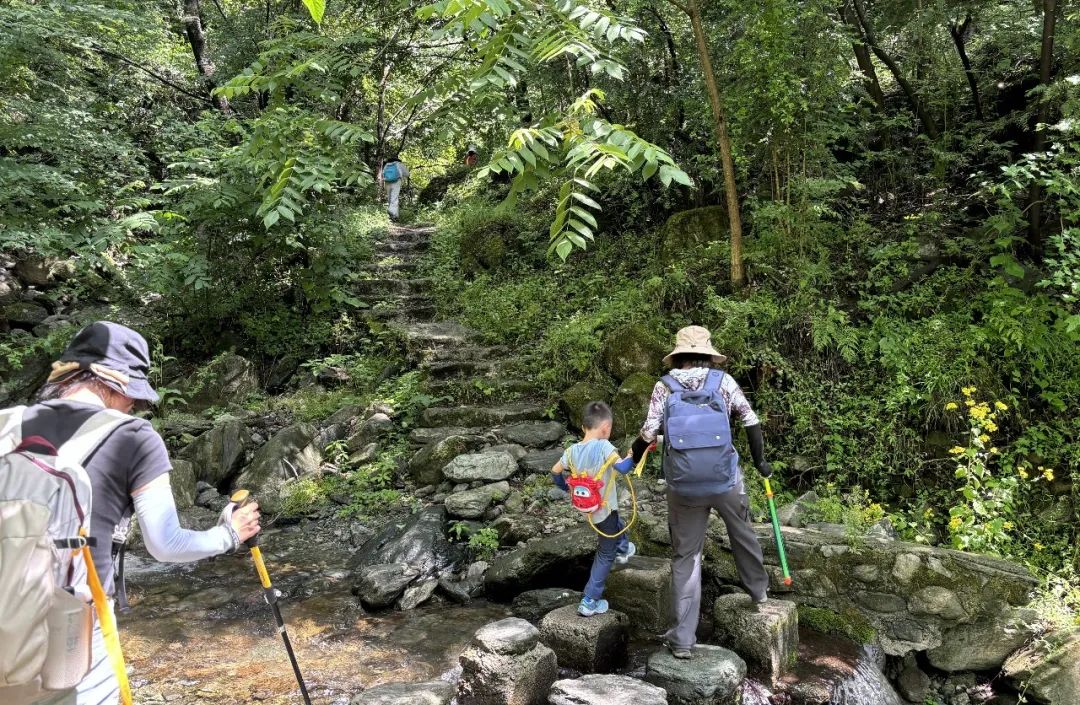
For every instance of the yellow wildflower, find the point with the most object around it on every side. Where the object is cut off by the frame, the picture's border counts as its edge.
(994, 450)
(984, 438)
(955, 523)
(968, 391)
(1007, 525)
(1023, 473)
(990, 426)
(969, 402)
(1001, 406)
(1048, 474)
(951, 406)
(1038, 546)
(957, 450)
(928, 513)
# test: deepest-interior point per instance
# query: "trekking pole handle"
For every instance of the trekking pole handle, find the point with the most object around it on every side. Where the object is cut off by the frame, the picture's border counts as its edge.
(242, 498)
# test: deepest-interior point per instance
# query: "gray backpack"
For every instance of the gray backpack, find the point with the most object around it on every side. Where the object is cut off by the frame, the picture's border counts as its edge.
(699, 457)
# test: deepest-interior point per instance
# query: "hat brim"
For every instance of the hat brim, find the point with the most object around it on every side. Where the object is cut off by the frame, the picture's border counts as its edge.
(716, 357)
(140, 390)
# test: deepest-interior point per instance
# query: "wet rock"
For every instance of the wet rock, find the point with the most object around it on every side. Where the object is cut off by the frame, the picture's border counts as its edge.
(1048, 671)
(291, 453)
(709, 678)
(795, 514)
(418, 541)
(766, 636)
(182, 479)
(913, 683)
(227, 379)
(217, 454)
(632, 349)
(596, 644)
(426, 466)
(378, 586)
(429, 693)
(488, 466)
(418, 594)
(541, 461)
(595, 689)
(982, 647)
(506, 665)
(573, 399)
(534, 604)
(24, 314)
(631, 403)
(473, 503)
(642, 589)
(552, 561)
(371, 430)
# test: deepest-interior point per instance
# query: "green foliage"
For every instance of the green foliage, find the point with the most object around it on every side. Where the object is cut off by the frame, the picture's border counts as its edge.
(852, 509)
(484, 543)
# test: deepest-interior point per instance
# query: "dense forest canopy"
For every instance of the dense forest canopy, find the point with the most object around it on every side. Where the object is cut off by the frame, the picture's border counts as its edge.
(888, 191)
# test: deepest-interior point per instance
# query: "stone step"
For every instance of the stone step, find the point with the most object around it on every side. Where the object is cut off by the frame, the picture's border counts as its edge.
(443, 353)
(480, 388)
(446, 369)
(594, 645)
(481, 415)
(407, 287)
(404, 314)
(766, 635)
(529, 434)
(642, 589)
(601, 689)
(541, 461)
(712, 675)
(391, 265)
(400, 247)
(441, 333)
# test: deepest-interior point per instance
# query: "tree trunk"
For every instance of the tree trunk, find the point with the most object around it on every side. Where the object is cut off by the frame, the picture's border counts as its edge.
(1046, 64)
(960, 36)
(193, 28)
(738, 274)
(862, 57)
(929, 126)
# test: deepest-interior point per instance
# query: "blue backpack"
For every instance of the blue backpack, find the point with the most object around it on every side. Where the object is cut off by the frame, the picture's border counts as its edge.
(391, 173)
(699, 457)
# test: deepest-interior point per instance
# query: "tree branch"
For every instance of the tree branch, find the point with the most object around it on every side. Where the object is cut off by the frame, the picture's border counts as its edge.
(134, 64)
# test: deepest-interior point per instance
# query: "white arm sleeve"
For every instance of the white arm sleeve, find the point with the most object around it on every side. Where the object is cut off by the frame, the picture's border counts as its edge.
(165, 539)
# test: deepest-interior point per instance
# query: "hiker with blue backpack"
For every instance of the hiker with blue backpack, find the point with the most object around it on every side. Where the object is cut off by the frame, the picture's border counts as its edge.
(692, 406)
(392, 176)
(72, 467)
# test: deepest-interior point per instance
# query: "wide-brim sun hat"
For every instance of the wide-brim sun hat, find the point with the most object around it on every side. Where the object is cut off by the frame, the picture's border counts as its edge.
(117, 355)
(695, 340)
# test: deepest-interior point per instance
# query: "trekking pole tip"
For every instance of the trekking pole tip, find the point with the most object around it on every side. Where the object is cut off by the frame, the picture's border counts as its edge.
(787, 581)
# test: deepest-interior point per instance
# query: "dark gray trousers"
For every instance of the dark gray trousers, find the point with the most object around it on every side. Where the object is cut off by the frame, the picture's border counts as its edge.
(688, 519)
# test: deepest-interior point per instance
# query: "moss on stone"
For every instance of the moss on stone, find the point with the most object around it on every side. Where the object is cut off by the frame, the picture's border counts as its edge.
(631, 404)
(850, 624)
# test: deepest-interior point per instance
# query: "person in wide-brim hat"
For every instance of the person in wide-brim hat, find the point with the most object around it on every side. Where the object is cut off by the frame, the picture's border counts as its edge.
(115, 355)
(702, 470)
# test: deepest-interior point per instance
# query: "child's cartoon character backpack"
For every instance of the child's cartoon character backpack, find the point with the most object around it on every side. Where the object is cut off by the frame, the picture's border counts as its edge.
(586, 493)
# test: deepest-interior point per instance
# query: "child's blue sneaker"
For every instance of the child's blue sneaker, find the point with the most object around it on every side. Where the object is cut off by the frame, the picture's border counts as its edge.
(624, 558)
(588, 607)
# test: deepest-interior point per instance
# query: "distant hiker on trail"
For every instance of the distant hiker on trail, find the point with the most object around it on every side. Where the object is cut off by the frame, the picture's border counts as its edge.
(471, 156)
(692, 406)
(595, 456)
(75, 465)
(392, 176)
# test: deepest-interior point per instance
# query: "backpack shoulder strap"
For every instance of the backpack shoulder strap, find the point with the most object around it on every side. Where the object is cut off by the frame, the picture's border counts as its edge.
(11, 428)
(672, 383)
(611, 460)
(713, 380)
(92, 434)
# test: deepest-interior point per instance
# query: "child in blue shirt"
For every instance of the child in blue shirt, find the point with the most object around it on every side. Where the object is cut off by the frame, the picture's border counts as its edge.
(589, 456)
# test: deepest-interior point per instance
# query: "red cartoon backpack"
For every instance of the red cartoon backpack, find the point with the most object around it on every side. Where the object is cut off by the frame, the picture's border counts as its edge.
(586, 493)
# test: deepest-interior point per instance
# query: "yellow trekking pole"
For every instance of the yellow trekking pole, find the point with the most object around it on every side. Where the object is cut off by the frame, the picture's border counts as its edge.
(776, 532)
(270, 593)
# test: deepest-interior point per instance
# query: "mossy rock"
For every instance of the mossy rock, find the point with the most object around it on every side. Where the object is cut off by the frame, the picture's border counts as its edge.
(631, 349)
(685, 231)
(573, 400)
(631, 404)
(850, 624)
(225, 380)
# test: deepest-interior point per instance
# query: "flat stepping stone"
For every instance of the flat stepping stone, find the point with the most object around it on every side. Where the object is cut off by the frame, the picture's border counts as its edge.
(482, 415)
(509, 636)
(481, 388)
(596, 644)
(535, 434)
(471, 504)
(488, 467)
(427, 436)
(397, 286)
(533, 605)
(642, 589)
(766, 636)
(597, 689)
(506, 665)
(429, 693)
(710, 677)
(442, 369)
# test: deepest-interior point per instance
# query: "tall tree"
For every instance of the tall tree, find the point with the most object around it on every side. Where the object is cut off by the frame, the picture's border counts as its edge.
(960, 34)
(692, 8)
(1046, 64)
(862, 58)
(191, 18)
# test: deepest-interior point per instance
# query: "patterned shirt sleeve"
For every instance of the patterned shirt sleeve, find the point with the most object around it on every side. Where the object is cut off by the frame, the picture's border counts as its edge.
(656, 412)
(737, 403)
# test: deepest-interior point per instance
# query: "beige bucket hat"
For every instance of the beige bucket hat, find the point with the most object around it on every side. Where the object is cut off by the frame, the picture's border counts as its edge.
(695, 340)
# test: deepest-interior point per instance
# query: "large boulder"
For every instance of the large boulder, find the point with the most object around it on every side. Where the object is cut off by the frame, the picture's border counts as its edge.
(908, 596)
(1048, 671)
(372, 430)
(573, 399)
(631, 349)
(217, 454)
(19, 384)
(596, 644)
(290, 454)
(596, 689)
(642, 589)
(687, 230)
(227, 379)
(982, 647)
(560, 560)
(24, 314)
(488, 467)
(428, 693)
(541, 461)
(44, 271)
(711, 677)
(766, 635)
(379, 586)
(506, 665)
(534, 604)
(10, 287)
(426, 466)
(532, 434)
(471, 504)
(631, 404)
(182, 478)
(418, 541)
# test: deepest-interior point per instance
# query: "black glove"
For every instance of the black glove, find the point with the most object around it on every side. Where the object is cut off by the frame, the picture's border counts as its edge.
(765, 469)
(639, 448)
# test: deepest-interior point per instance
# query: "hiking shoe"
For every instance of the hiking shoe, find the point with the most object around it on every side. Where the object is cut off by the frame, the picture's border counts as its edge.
(679, 652)
(624, 558)
(588, 607)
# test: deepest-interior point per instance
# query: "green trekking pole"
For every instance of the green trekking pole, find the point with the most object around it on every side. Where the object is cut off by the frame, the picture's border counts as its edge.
(776, 533)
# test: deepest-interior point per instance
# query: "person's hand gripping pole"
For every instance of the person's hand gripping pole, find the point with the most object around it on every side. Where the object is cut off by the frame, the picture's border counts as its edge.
(776, 532)
(240, 498)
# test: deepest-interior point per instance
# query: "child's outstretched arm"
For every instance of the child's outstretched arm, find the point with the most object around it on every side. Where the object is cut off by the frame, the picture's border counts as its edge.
(558, 478)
